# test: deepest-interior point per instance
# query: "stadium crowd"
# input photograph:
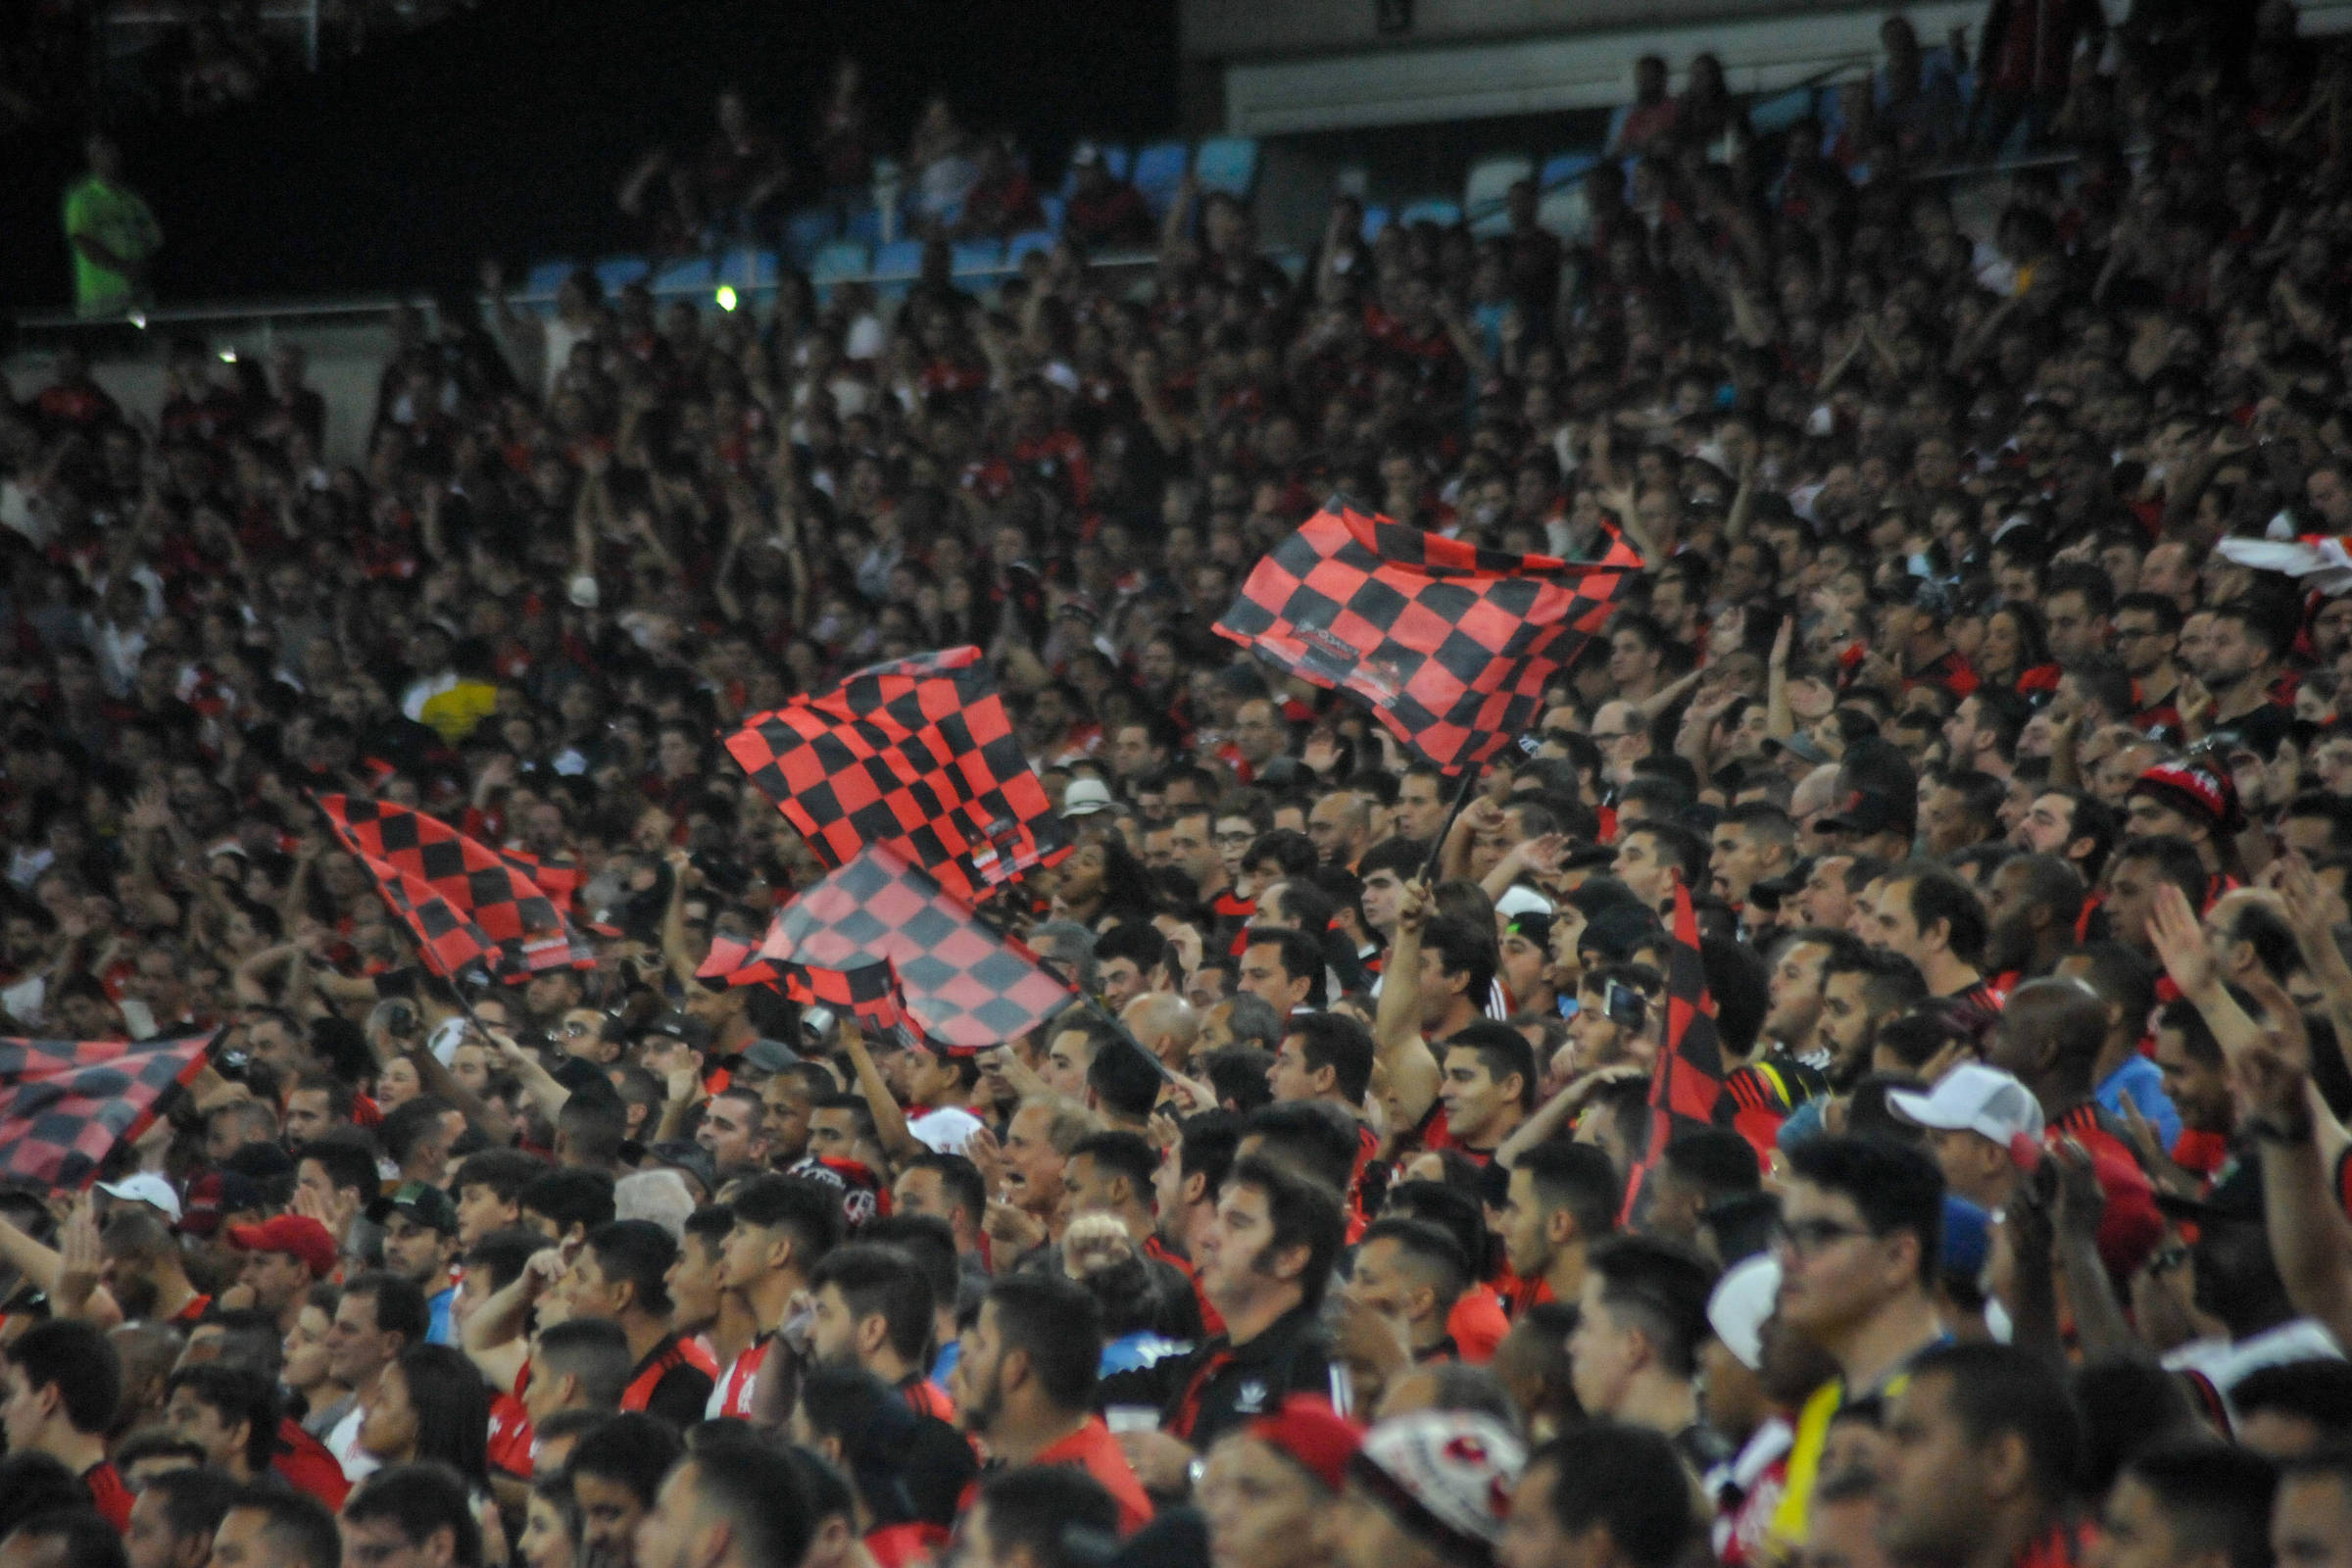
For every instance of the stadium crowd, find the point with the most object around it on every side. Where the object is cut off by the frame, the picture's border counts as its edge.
(2012, 813)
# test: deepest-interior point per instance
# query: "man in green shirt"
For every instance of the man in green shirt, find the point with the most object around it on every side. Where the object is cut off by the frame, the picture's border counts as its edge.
(113, 233)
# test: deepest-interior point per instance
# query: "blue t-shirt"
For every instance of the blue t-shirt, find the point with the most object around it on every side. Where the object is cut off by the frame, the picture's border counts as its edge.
(2141, 1082)
(438, 1330)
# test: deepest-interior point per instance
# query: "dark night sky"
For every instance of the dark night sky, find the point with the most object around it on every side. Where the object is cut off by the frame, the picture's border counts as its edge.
(507, 132)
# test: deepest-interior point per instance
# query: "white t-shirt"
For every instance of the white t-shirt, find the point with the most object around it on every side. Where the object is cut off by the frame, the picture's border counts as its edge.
(343, 1442)
(944, 1130)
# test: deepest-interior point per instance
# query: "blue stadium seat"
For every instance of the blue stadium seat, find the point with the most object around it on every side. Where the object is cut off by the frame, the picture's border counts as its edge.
(864, 226)
(1565, 169)
(1487, 192)
(1228, 164)
(619, 272)
(545, 277)
(1158, 170)
(1776, 114)
(979, 256)
(1376, 219)
(1431, 209)
(844, 258)
(806, 232)
(1020, 245)
(1115, 157)
(692, 272)
(746, 268)
(1055, 207)
(903, 259)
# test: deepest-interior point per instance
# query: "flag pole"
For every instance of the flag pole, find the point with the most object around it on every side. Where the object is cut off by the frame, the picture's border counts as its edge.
(1471, 773)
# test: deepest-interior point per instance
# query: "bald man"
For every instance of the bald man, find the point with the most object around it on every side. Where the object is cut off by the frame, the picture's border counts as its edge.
(1165, 1024)
(2048, 1038)
(1341, 824)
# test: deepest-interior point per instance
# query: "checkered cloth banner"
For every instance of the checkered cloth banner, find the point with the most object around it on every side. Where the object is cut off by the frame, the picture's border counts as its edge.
(447, 939)
(737, 962)
(918, 753)
(880, 938)
(419, 862)
(65, 1104)
(1450, 644)
(1685, 1087)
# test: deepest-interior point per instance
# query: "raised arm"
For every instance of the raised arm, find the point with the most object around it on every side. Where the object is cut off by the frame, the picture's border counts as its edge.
(1411, 1068)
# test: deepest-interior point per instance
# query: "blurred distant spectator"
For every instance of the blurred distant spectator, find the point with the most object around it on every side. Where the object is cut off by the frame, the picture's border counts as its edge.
(222, 65)
(720, 193)
(1650, 118)
(944, 161)
(1916, 93)
(845, 133)
(1104, 211)
(1705, 113)
(1002, 201)
(113, 233)
(2027, 61)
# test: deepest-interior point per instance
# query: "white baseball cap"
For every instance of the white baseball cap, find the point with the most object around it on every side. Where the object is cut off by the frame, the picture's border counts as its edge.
(1974, 1098)
(1084, 796)
(1741, 1301)
(1517, 900)
(146, 1188)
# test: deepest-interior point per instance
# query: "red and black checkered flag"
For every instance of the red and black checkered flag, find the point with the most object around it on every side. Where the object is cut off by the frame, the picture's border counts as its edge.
(737, 962)
(1686, 1088)
(456, 893)
(1450, 644)
(916, 753)
(65, 1104)
(880, 938)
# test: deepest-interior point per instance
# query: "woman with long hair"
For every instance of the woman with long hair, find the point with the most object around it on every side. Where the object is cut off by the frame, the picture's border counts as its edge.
(2016, 650)
(430, 1404)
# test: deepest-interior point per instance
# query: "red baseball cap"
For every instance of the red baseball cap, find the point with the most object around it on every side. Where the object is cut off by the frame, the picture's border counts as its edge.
(297, 1235)
(1315, 1435)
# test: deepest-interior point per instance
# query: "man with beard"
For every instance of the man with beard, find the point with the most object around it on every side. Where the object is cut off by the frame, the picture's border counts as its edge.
(1794, 990)
(1858, 994)
(2033, 904)
(2075, 827)
(1264, 1266)
(872, 1308)
(1024, 1385)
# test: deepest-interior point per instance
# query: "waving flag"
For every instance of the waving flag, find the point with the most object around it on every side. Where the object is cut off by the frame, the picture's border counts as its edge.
(880, 938)
(1450, 644)
(737, 962)
(918, 753)
(1686, 1088)
(65, 1104)
(463, 900)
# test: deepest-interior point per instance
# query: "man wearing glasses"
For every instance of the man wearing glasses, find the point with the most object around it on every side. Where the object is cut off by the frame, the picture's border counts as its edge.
(1861, 1225)
(1623, 738)
(2147, 634)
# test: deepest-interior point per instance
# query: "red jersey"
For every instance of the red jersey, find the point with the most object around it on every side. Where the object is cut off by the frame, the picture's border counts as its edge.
(107, 1495)
(733, 1394)
(307, 1465)
(1095, 1450)
(903, 1545)
(1476, 1324)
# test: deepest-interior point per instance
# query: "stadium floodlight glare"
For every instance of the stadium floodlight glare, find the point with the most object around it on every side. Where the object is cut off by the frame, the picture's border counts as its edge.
(138, 318)
(229, 355)
(725, 296)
